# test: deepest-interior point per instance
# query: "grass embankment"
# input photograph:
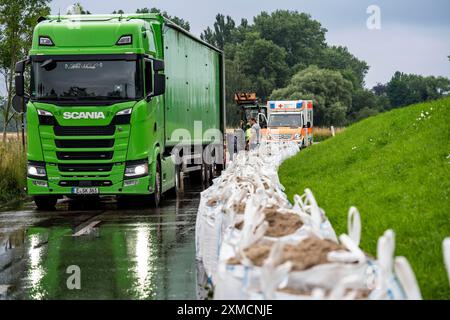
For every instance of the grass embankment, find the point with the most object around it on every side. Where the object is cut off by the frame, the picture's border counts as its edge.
(12, 170)
(394, 168)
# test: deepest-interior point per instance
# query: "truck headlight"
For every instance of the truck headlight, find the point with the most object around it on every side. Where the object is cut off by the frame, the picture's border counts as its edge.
(136, 169)
(36, 170)
(297, 136)
(44, 113)
(123, 116)
(45, 117)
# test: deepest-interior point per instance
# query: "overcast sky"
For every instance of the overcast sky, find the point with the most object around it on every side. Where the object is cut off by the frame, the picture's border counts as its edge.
(414, 35)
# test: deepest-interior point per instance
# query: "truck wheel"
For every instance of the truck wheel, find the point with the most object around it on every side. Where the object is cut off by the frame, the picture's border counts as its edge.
(198, 176)
(155, 197)
(45, 202)
(209, 173)
(179, 179)
(179, 182)
(219, 169)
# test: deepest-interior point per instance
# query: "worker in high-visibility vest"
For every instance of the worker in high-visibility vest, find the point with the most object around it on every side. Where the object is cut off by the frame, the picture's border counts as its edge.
(248, 134)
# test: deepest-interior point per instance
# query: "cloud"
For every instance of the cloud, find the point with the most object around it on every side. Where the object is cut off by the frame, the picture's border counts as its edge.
(412, 38)
(409, 49)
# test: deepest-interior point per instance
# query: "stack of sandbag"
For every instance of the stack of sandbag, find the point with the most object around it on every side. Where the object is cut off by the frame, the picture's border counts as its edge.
(222, 206)
(314, 268)
(253, 244)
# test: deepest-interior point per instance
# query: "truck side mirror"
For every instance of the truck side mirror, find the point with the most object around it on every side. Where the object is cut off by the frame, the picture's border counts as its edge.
(19, 104)
(19, 85)
(158, 65)
(20, 66)
(19, 79)
(159, 84)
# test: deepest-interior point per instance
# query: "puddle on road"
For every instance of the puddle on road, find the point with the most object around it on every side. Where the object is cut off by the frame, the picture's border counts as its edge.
(131, 254)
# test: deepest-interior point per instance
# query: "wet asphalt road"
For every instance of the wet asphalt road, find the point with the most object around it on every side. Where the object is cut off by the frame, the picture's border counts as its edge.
(132, 252)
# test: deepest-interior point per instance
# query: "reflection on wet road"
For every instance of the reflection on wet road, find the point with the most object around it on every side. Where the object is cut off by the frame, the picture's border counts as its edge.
(139, 253)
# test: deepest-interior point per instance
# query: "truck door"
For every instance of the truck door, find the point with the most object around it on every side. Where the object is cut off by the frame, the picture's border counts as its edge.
(154, 104)
(262, 120)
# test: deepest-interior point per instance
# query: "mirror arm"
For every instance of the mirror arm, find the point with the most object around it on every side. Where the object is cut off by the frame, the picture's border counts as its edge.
(20, 65)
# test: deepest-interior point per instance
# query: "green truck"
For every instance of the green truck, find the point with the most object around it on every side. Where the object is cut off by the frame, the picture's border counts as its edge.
(119, 105)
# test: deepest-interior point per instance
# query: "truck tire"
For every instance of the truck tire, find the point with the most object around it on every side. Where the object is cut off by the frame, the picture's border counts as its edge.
(198, 176)
(155, 197)
(45, 202)
(208, 173)
(179, 179)
(179, 182)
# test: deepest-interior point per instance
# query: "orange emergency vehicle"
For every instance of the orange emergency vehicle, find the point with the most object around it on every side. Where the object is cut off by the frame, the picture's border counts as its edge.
(290, 121)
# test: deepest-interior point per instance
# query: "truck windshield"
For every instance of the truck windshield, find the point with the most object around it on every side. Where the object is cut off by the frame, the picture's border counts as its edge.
(86, 81)
(285, 120)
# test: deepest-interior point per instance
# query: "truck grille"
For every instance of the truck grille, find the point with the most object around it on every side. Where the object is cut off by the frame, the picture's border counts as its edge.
(85, 167)
(85, 183)
(84, 130)
(101, 155)
(105, 143)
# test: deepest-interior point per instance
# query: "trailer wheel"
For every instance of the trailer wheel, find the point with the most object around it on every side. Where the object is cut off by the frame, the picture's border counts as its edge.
(209, 173)
(179, 180)
(155, 197)
(45, 202)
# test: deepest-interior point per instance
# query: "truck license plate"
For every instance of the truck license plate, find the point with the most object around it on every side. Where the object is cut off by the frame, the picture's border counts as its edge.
(85, 190)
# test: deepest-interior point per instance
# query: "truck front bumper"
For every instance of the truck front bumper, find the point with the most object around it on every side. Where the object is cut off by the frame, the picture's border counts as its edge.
(138, 186)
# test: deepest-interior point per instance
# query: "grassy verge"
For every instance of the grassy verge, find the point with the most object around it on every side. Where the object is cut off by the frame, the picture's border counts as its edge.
(394, 168)
(12, 170)
(323, 133)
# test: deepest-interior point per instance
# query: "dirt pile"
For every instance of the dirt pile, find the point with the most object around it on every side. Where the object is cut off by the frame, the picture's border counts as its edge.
(280, 224)
(360, 293)
(304, 255)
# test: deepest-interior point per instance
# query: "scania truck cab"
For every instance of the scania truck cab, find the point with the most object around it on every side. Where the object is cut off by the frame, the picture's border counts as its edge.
(111, 98)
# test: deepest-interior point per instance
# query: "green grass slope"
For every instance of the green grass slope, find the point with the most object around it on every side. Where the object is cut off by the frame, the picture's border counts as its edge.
(394, 168)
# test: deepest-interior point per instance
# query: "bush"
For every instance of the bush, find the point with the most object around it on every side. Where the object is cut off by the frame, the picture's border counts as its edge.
(12, 170)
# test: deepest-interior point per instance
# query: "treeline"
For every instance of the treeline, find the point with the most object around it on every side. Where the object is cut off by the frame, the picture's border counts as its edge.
(284, 55)
(281, 55)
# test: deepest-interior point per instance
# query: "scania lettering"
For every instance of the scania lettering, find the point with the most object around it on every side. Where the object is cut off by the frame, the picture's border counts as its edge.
(84, 115)
(112, 100)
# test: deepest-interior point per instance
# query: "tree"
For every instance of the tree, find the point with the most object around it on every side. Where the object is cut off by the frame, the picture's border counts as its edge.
(379, 89)
(120, 11)
(331, 92)
(178, 21)
(364, 104)
(235, 80)
(262, 62)
(404, 89)
(17, 21)
(77, 8)
(302, 37)
(222, 33)
(339, 58)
